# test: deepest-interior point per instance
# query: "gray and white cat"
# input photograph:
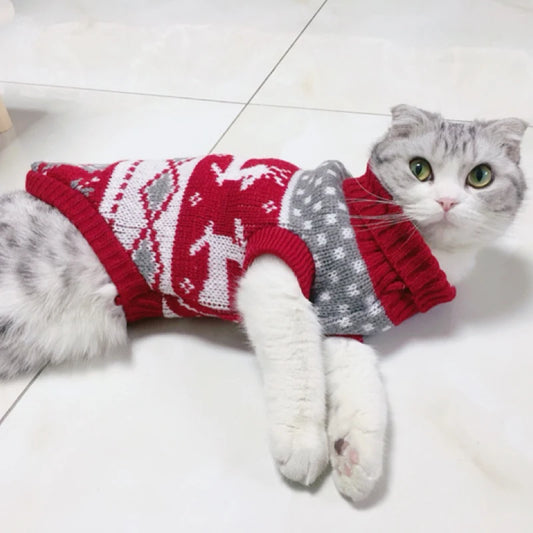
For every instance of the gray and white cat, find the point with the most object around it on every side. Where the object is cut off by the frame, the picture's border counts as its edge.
(460, 184)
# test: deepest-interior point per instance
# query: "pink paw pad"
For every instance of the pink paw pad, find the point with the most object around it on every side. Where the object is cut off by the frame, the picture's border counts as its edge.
(349, 454)
(353, 456)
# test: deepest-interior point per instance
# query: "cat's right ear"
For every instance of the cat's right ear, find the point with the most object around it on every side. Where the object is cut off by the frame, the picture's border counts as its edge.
(407, 119)
(507, 132)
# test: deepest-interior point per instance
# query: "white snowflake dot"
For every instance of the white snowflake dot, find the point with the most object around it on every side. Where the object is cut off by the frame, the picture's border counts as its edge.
(375, 309)
(186, 285)
(269, 206)
(369, 300)
(343, 309)
(339, 253)
(347, 233)
(195, 199)
(331, 218)
(352, 290)
(321, 239)
(358, 266)
(344, 322)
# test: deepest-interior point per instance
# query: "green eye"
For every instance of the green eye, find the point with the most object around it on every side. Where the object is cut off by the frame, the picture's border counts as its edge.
(421, 169)
(479, 177)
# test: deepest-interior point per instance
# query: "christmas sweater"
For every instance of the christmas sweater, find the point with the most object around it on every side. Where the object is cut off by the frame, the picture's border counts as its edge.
(176, 235)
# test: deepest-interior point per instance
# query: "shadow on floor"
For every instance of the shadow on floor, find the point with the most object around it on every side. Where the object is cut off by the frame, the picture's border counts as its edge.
(499, 286)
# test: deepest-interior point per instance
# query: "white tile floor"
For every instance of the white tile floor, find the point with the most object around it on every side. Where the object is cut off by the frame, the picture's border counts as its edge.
(172, 436)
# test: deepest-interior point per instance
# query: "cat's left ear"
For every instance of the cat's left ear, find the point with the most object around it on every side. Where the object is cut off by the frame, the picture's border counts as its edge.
(507, 132)
(406, 120)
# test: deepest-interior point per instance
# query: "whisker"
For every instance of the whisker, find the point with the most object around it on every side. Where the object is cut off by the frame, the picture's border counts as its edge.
(484, 229)
(378, 224)
(412, 233)
(373, 194)
(372, 200)
(391, 216)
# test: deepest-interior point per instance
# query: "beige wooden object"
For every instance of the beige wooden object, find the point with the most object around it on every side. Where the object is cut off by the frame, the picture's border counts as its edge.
(5, 121)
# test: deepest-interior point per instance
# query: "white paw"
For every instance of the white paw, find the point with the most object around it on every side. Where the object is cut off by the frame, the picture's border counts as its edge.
(301, 453)
(356, 461)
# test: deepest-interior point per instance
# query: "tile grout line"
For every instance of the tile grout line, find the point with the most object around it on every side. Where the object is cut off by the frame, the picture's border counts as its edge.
(321, 109)
(211, 100)
(116, 91)
(194, 99)
(22, 393)
(268, 75)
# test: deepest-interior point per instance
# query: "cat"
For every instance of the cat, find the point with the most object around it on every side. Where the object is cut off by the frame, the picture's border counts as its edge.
(460, 186)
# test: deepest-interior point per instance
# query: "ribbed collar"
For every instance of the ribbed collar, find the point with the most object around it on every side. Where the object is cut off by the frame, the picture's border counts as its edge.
(406, 276)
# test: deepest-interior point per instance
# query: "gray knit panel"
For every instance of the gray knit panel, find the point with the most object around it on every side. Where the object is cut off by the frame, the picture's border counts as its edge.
(342, 292)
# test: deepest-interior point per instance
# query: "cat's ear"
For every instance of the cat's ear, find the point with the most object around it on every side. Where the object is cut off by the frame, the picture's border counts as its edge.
(407, 119)
(507, 132)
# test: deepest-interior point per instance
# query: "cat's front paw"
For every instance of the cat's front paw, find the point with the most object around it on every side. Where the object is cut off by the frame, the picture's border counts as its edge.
(301, 453)
(356, 461)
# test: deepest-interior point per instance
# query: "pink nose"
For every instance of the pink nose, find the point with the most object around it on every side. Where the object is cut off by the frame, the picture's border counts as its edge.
(447, 203)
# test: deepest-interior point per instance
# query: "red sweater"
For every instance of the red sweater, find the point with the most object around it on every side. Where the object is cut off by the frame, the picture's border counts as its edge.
(175, 236)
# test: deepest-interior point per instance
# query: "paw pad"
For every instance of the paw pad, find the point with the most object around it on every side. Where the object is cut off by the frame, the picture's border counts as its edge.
(340, 445)
(349, 457)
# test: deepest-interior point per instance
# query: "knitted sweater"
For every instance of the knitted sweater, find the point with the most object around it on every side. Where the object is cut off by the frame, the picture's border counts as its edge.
(176, 235)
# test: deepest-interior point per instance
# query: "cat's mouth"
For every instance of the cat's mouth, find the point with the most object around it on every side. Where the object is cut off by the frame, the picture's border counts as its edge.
(448, 219)
(437, 226)
(433, 219)
(444, 221)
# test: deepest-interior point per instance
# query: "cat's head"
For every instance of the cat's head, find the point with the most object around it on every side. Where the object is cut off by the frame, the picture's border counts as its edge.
(460, 183)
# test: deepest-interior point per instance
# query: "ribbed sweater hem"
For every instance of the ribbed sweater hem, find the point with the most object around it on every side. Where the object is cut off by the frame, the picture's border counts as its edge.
(287, 246)
(135, 296)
